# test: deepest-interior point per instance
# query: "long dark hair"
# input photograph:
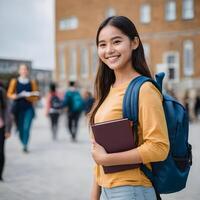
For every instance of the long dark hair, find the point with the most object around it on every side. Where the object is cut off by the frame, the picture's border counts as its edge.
(105, 76)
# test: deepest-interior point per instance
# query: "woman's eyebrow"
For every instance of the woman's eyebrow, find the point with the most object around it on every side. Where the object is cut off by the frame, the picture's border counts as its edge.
(116, 37)
(113, 38)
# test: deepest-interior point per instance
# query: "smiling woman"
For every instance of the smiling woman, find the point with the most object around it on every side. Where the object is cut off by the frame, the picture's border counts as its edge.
(121, 59)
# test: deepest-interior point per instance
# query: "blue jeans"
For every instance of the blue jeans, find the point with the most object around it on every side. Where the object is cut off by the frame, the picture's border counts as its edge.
(24, 124)
(128, 193)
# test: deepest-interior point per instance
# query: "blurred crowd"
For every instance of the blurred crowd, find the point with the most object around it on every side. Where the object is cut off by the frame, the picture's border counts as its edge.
(17, 109)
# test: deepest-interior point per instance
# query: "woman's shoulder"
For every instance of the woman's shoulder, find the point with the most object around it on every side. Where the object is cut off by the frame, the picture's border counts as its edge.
(13, 81)
(148, 87)
(149, 93)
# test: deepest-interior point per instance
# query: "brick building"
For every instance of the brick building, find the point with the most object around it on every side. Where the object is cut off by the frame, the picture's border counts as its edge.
(169, 30)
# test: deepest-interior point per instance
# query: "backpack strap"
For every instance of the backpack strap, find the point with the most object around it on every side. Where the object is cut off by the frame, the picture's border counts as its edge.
(130, 109)
(131, 97)
(131, 101)
(159, 80)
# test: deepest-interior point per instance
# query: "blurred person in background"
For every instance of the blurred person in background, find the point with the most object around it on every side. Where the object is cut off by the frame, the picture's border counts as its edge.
(53, 109)
(5, 126)
(75, 104)
(24, 93)
(186, 101)
(88, 101)
(197, 105)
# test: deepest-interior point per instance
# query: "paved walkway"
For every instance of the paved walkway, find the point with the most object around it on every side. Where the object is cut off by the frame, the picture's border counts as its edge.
(62, 170)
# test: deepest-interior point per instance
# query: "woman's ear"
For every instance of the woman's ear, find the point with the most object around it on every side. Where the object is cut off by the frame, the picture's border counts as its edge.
(135, 43)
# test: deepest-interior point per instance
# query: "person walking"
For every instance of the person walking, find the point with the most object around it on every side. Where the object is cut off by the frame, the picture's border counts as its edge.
(197, 106)
(53, 109)
(88, 101)
(24, 93)
(121, 59)
(75, 104)
(5, 126)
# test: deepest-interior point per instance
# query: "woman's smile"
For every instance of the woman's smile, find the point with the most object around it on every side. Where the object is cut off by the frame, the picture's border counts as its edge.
(113, 59)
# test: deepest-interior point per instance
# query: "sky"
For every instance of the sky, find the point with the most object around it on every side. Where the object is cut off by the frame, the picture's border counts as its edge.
(27, 31)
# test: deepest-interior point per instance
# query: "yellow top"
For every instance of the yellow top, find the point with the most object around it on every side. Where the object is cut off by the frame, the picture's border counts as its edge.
(152, 131)
(12, 90)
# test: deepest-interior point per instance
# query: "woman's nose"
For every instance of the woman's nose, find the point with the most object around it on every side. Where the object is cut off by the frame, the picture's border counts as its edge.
(109, 49)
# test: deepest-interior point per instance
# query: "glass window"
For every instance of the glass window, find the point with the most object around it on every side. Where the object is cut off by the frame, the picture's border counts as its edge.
(145, 13)
(68, 24)
(73, 65)
(188, 58)
(110, 12)
(84, 62)
(188, 9)
(170, 10)
(172, 66)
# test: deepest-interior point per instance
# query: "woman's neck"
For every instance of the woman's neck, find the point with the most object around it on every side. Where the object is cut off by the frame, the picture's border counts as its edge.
(23, 79)
(125, 76)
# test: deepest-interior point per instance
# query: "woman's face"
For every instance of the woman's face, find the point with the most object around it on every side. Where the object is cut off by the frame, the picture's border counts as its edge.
(23, 71)
(115, 48)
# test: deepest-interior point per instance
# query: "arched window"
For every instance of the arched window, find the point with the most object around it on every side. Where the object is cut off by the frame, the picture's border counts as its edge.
(188, 9)
(170, 10)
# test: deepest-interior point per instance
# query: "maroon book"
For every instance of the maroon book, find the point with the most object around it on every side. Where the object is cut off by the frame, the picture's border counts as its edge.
(115, 136)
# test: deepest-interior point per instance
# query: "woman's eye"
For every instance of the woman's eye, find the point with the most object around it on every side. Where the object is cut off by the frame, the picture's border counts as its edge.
(116, 41)
(102, 45)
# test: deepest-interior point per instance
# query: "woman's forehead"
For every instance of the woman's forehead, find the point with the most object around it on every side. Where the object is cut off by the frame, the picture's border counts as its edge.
(109, 32)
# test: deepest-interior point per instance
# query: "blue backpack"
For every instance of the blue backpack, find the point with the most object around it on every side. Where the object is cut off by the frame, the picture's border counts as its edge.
(76, 102)
(170, 175)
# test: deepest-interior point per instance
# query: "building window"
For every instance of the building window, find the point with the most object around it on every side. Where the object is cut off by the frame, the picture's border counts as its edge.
(73, 65)
(84, 62)
(145, 13)
(170, 10)
(172, 66)
(188, 58)
(94, 59)
(68, 24)
(110, 12)
(188, 9)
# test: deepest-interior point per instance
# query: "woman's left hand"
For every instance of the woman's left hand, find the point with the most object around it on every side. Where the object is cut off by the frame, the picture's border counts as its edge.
(99, 154)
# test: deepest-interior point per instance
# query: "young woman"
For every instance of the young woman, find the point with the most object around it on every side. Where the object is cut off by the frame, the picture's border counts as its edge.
(121, 59)
(19, 91)
(53, 109)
